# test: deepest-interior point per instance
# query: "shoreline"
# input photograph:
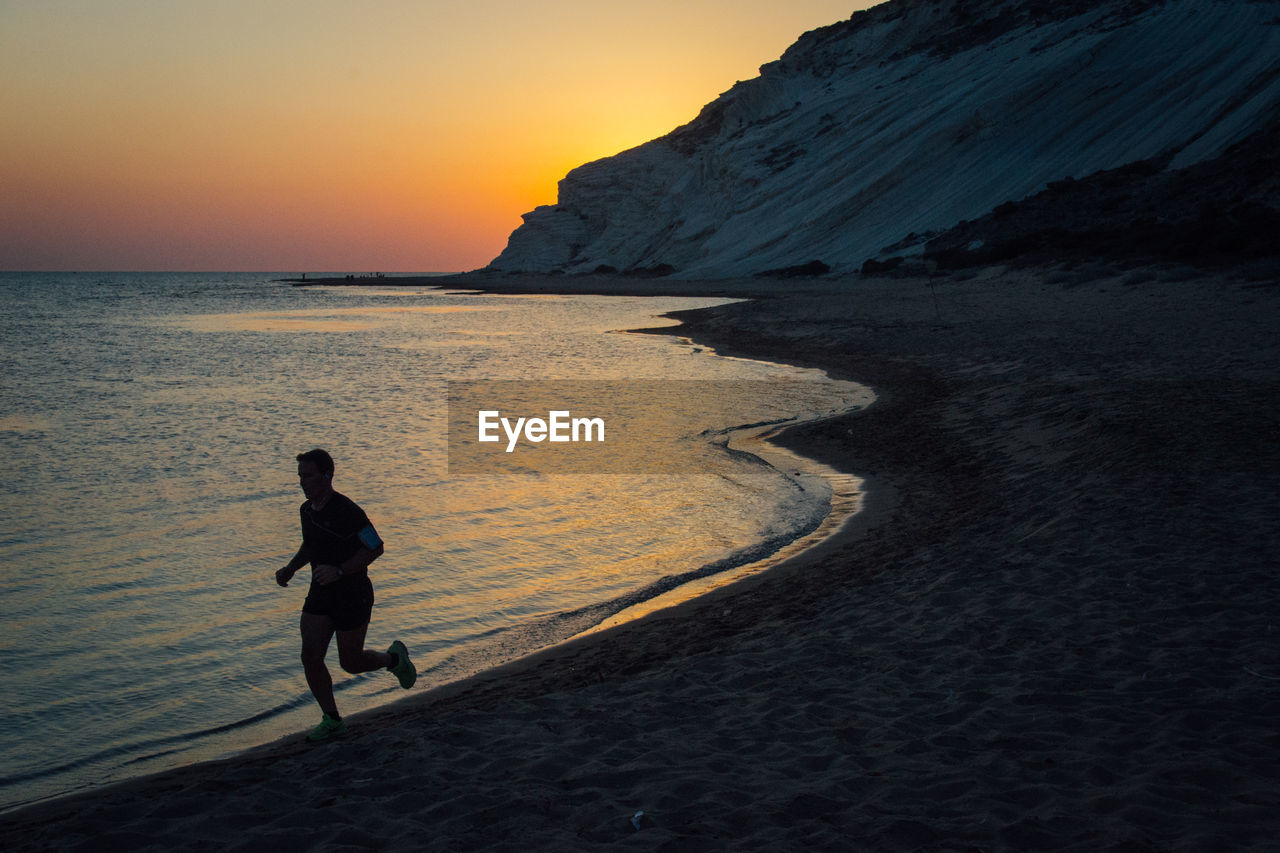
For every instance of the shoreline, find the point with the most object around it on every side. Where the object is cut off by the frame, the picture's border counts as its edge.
(763, 554)
(1048, 640)
(839, 516)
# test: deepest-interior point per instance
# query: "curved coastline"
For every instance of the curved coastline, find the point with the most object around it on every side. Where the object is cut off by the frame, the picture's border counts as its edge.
(1055, 635)
(514, 644)
(665, 594)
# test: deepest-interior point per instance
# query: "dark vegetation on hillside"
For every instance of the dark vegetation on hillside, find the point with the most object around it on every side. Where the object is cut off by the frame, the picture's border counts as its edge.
(1216, 213)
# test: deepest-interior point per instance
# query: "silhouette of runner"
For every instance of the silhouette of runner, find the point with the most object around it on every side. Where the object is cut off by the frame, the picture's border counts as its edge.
(339, 542)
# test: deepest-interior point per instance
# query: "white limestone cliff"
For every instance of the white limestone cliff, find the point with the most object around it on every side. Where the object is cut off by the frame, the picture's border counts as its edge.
(907, 119)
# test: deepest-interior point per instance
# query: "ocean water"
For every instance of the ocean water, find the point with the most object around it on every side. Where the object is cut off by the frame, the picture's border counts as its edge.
(149, 424)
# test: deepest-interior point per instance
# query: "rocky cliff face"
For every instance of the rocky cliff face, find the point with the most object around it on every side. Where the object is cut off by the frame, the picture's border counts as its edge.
(908, 118)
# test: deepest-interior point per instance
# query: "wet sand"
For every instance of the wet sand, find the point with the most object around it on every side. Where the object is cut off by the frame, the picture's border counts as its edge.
(1053, 629)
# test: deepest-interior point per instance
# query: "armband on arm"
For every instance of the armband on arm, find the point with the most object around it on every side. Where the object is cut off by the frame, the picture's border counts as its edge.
(369, 537)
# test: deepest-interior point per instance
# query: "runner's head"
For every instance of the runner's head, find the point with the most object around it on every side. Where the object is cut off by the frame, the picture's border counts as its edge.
(320, 458)
(315, 473)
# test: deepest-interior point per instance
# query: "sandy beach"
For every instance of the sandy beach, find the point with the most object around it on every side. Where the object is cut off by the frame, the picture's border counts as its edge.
(1054, 628)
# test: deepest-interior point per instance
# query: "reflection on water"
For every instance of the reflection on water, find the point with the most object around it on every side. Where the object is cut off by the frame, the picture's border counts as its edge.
(613, 426)
(315, 320)
(154, 419)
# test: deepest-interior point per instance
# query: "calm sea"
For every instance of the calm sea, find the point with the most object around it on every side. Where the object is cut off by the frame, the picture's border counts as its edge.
(149, 423)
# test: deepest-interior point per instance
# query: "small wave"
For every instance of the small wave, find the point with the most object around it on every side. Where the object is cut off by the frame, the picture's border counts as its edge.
(150, 749)
(757, 425)
(499, 645)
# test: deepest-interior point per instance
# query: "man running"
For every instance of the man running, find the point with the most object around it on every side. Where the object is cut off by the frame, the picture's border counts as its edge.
(339, 543)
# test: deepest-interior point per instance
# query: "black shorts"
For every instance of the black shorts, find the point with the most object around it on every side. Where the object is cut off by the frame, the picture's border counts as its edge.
(347, 602)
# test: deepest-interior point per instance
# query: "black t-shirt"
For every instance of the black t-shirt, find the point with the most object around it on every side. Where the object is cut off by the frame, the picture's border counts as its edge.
(335, 532)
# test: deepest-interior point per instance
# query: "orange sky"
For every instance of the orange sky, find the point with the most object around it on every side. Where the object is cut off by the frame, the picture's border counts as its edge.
(292, 135)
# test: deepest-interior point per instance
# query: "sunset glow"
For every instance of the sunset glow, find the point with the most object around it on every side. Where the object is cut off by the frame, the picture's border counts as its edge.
(328, 136)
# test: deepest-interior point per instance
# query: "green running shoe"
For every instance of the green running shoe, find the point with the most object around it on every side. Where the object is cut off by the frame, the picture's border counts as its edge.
(329, 727)
(404, 668)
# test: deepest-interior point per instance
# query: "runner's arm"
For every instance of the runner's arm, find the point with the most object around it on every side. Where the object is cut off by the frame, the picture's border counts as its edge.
(370, 550)
(356, 564)
(299, 560)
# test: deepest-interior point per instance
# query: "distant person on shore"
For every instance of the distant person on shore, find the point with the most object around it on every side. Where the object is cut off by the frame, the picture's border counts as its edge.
(339, 543)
